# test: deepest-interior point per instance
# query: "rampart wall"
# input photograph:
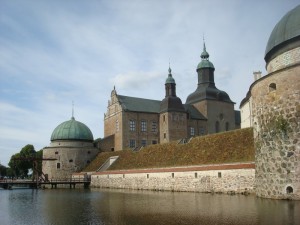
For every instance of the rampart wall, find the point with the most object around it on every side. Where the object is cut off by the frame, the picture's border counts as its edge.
(222, 178)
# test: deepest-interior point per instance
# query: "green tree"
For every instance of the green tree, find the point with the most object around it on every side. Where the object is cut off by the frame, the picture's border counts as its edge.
(3, 170)
(21, 162)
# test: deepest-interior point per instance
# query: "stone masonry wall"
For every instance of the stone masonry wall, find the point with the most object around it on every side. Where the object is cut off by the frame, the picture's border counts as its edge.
(276, 119)
(234, 178)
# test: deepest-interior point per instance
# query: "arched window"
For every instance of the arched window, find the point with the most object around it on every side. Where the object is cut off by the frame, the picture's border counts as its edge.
(289, 190)
(58, 166)
(217, 127)
(227, 126)
(272, 87)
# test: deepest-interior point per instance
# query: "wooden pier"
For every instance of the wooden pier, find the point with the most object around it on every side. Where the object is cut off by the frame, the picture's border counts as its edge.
(10, 183)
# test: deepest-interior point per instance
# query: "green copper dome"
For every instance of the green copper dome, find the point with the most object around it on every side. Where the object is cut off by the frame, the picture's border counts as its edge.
(285, 31)
(205, 63)
(72, 130)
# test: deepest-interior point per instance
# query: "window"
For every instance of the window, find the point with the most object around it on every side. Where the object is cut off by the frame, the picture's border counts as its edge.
(164, 118)
(57, 165)
(173, 175)
(217, 127)
(289, 190)
(219, 174)
(144, 142)
(154, 142)
(154, 126)
(165, 135)
(143, 126)
(202, 131)
(227, 126)
(272, 87)
(132, 143)
(132, 125)
(71, 160)
(196, 175)
(89, 152)
(56, 153)
(117, 125)
(192, 131)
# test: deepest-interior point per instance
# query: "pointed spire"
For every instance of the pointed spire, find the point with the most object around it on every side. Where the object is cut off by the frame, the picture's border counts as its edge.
(72, 111)
(204, 54)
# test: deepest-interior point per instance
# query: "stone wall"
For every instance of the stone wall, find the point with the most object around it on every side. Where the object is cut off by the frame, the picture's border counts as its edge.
(284, 60)
(107, 144)
(70, 158)
(225, 178)
(276, 119)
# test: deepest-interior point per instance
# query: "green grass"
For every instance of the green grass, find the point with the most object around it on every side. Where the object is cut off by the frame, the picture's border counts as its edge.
(233, 146)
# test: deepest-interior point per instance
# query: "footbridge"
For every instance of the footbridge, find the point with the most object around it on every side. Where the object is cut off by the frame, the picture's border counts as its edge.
(20, 183)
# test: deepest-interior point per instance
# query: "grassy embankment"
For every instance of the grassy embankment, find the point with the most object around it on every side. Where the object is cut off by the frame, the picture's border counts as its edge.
(227, 147)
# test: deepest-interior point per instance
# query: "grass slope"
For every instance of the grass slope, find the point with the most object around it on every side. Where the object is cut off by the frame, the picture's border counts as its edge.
(233, 146)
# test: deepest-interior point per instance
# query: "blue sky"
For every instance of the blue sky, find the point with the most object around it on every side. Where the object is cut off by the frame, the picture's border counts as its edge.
(56, 52)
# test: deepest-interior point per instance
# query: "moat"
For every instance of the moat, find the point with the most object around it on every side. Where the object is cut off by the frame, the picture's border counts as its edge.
(126, 207)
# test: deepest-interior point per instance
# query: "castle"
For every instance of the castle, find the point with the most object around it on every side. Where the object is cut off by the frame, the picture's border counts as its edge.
(271, 107)
(135, 122)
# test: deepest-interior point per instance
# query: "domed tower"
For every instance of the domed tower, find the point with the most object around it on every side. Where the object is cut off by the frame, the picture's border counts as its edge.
(276, 113)
(173, 119)
(72, 147)
(213, 103)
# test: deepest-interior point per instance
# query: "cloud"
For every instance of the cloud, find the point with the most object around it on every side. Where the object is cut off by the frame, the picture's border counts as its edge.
(55, 53)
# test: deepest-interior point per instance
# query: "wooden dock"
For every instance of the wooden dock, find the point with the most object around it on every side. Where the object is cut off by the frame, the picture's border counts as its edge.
(10, 183)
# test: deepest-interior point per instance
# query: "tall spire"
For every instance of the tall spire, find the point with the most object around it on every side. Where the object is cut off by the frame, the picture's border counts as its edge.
(72, 110)
(204, 54)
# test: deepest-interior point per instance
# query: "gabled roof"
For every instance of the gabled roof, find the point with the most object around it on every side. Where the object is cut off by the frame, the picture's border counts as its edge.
(139, 104)
(193, 112)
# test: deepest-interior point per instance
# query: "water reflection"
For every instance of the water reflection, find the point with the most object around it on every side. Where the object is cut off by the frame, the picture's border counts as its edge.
(110, 207)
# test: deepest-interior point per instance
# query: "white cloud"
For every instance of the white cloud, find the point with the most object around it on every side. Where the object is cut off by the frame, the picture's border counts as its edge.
(57, 52)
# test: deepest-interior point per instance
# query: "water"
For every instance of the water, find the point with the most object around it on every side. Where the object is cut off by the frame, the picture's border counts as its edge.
(123, 207)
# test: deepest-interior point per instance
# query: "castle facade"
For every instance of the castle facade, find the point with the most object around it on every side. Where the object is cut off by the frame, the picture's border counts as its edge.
(131, 122)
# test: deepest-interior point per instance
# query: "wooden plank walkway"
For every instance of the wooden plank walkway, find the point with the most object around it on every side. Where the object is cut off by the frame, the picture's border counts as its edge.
(9, 183)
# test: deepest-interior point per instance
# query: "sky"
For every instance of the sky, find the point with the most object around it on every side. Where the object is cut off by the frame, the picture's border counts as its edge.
(53, 53)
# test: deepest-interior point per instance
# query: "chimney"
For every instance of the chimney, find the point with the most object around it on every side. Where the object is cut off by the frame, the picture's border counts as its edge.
(257, 75)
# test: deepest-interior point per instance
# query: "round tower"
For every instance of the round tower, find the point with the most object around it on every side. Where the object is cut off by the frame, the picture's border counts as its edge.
(276, 113)
(72, 147)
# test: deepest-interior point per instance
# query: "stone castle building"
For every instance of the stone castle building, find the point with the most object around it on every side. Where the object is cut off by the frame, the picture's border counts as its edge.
(73, 148)
(135, 122)
(272, 107)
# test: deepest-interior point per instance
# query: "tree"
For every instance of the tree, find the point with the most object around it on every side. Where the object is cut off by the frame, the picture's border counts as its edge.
(2, 170)
(18, 162)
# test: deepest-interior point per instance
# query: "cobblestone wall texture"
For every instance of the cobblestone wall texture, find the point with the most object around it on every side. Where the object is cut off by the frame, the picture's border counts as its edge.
(276, 117)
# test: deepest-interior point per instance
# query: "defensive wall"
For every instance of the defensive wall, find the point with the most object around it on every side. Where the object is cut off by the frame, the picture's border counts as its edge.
(218, 178)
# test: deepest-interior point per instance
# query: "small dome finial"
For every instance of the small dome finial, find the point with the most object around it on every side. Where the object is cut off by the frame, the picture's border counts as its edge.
(204, 54)
(169, 68)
